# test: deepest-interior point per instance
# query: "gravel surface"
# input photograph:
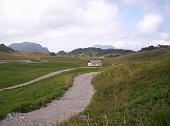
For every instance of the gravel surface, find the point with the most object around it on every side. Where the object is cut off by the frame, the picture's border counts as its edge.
(74, 101)
(37, 79)
(2, 62)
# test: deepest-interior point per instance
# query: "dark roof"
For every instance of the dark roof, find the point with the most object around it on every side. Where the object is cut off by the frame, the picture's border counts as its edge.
(95, 61)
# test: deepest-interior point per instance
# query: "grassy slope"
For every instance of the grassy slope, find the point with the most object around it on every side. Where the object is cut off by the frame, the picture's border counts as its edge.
(141, 56)
(132, 94)
(34, 96)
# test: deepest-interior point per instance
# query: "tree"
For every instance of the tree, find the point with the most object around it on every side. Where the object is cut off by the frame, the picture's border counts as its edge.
(52, 54)
(62, 53)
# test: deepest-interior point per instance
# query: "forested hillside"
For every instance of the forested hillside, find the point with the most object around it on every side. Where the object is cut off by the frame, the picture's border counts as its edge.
(93, 52)
(4, 48)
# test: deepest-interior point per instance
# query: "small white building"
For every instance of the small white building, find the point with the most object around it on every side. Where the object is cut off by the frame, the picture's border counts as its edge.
(95, 63)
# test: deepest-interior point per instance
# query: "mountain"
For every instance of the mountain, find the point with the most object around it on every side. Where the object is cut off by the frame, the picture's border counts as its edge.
(4, 48)
(103, 46)
(91, 51)
(29, 47)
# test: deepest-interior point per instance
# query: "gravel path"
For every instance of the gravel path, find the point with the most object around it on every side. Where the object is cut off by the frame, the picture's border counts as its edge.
(37, 79)
(74, 101)
(2, 62)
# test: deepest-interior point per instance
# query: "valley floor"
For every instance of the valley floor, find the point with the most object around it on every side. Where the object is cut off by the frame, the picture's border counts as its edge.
(34, 96)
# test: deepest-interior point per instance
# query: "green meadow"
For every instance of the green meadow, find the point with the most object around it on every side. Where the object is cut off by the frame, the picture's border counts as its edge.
(17, 73)
(129, 94)
(34, 96)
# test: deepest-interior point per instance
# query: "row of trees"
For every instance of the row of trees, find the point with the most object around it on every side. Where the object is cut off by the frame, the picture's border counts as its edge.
(154, 47)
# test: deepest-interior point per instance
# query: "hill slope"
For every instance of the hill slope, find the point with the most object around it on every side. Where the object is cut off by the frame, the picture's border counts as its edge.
(143, 56)
(29, 47)
(130, 94)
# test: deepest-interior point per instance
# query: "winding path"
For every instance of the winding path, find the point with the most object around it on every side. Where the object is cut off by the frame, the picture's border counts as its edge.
(74, 101)
(37, 79)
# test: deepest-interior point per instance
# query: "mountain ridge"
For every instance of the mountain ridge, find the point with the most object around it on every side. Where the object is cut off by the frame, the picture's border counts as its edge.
(29, 47)
(93, 52)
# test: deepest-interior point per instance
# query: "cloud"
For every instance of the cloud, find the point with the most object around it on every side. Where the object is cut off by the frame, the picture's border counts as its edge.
(127, 44)
(164, 36)
(161, 42)
(150, 23)
(69, 24)
(56, 22)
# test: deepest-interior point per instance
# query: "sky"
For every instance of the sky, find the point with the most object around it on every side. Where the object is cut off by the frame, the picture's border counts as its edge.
(70, 24)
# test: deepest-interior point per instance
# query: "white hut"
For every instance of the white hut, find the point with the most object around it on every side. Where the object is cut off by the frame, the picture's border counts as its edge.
(94, 63)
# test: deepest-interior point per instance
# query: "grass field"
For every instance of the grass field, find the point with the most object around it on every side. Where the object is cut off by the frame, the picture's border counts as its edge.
(14, 73)
(131, 94)
(17, 73)
(34, 96)
(22, 56)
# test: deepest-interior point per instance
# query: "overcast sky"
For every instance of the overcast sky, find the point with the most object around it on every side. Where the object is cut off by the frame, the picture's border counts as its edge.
(69, 24)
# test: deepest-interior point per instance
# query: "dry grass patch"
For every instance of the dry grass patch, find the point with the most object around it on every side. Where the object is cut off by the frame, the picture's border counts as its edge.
(68, 79)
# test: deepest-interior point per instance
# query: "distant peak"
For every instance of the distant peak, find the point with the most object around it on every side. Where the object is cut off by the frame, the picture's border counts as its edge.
(29, 47)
